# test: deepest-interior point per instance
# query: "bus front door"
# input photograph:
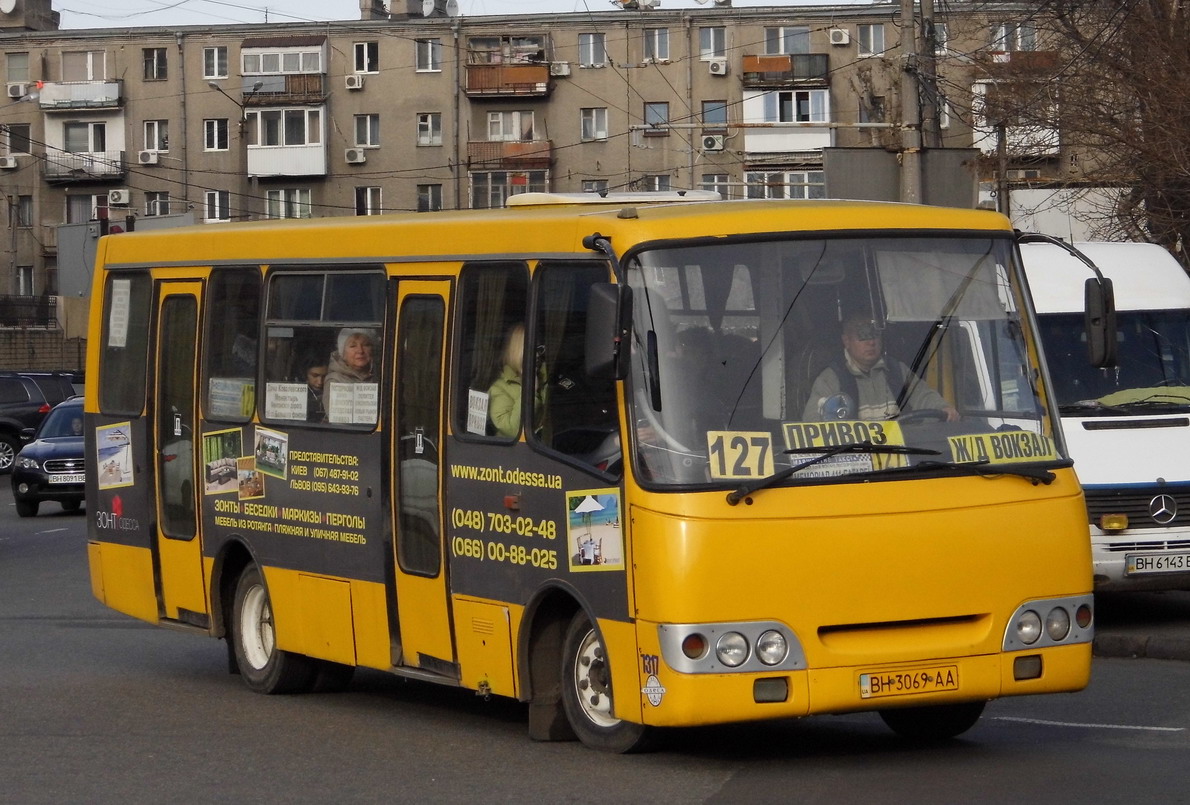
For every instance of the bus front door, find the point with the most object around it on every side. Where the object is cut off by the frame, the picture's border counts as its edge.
(178, 548)
(422, 586)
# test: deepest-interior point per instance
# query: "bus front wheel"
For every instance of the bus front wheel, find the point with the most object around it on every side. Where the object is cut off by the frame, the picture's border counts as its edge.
(587, 693)
(936, 723)
(264, 667)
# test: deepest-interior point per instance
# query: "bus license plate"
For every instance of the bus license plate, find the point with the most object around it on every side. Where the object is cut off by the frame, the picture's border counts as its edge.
(72, 478)
(908, 681)
(1139, 563)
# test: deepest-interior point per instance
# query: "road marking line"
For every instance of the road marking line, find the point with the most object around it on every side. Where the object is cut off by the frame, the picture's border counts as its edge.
(1087, 726)
(52, 531)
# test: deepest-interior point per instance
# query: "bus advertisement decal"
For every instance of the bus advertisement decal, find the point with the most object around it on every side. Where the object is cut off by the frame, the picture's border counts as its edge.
(593, 536)
(113, 448)
(1002, 448)
(221, 451)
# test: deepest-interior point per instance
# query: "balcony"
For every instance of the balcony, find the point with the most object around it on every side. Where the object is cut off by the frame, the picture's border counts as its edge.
(275, 90)
(508, 80)
(287, 160)
(66, 96)
(61, 167)
(785, 70)
(1018, 64)
(28, 311)
(525, 154)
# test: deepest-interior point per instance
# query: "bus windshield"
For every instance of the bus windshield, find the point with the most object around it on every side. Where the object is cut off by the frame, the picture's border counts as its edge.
(1152, 370)
(855, 357)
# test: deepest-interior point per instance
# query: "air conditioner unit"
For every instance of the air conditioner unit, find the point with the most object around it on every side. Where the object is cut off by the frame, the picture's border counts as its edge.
(1024, 173)
(18, 90)
(712, 142)
(354, 81)
(840, 36)
(717, 66)
(560, 68)
(355, 156)
(8, 163)
(147, 157)
(119, 197)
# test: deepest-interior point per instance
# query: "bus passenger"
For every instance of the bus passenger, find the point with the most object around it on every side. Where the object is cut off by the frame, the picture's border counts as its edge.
(315, 378)
(353, 361)
(865, 384)
(504, 395)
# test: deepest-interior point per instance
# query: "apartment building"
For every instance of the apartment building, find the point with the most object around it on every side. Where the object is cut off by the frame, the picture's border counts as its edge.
(398, 111)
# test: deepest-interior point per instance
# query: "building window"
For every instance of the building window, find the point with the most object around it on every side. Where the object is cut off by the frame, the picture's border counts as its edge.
(367, 130)
(717, 182)
(24, 210)
(429, 197)
(595, 186)
(712, 43)
(367, 57)
(871, 39)
(16, 69)
(1012, 36)
(271, 127)
(489, 190)
(83, 138)
(787, 39)
(714, 114)
(510, 126)
(941, 38)
(83, 65)
(429, 128)
(293, 202)
(797, 106)
(592, 51)
(82, 208)
(655, 182)
(657, 117)
(155, 64)
(871, 109)
(156, 202)
(785, 184)
(24, 281)
(429, 55)
(593, 123)
(217, 205)
(18, 138)
(157, 135)
(214, 134)
(282, 61)
(506, 50)
(367, 201)
(656, 44)
(214, 62)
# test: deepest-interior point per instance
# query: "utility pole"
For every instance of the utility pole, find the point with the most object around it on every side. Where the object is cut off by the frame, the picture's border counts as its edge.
(928, 59)
(910, 108)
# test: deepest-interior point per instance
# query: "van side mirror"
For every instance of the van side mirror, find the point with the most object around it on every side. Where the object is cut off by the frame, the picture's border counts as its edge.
(1100, 321)
(608, 312)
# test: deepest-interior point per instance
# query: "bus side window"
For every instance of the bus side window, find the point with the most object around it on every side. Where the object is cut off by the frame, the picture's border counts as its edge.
(579, 416)
(233, 321)
(124, 362)
(493, 305)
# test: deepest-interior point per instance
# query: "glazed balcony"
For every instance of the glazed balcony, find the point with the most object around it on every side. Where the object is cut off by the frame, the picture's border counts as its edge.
(785, 70)
(522, 154)
(508, 80)
(68, 96)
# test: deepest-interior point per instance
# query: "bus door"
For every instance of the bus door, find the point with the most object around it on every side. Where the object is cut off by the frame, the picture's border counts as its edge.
(180, 586)
(422, 587)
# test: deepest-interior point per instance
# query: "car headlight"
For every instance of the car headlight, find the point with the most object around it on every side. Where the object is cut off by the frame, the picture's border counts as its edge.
(26, 463)
(1028, 627)
(771, 647)
(732, 649)
(1057, 624)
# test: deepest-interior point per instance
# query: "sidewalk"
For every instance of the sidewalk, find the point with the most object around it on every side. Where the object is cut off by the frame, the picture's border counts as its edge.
(1154, 625)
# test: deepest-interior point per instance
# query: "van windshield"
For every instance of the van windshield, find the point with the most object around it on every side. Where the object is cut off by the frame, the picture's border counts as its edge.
(750, 357)
(1153, 362)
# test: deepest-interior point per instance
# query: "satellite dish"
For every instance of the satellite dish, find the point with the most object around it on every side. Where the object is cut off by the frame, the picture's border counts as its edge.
(6, 6)
(452, 8)
(427, 8)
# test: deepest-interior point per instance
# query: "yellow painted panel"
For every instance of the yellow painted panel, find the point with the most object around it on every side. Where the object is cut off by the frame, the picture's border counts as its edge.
(422, 609)
(1063, 668)
(326, 622)
(619, 640)
(484, 646)
(182, 582)
(125, 579)
(369, 612)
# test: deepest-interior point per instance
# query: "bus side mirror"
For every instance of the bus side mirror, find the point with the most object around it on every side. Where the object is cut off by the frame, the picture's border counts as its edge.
(1100, 322)
(608, 313)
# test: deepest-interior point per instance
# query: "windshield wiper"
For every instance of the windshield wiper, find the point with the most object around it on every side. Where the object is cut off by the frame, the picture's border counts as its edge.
(1038, 475)
(1089, 406)
(1156, 401)
(744, 490)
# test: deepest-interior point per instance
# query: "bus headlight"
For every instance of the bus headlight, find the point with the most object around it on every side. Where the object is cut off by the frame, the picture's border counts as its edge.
(1057, 624)
(732, 649)
(772, 647)
(1028, 627)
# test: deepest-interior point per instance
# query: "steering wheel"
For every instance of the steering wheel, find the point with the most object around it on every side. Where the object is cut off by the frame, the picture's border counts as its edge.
(923, 415)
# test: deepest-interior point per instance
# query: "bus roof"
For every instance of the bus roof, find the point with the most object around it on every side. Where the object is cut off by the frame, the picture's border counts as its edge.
(1144, 276)
(526, 231)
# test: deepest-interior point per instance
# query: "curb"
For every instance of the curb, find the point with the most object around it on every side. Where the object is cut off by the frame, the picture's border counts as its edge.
(1156, 648)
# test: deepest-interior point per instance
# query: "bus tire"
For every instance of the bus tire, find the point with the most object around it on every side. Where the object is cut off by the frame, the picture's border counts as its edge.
(587, 693)
(264, 667)
(935, 723)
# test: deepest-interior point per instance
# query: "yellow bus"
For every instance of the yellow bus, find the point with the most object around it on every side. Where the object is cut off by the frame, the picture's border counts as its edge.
(614, 460)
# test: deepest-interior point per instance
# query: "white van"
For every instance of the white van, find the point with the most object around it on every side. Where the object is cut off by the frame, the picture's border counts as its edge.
(1127, 427)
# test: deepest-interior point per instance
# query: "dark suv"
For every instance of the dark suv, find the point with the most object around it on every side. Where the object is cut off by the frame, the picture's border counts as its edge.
(25, 399)
(51, 466)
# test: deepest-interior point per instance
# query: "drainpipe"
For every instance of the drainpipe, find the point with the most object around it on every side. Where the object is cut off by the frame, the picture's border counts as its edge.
(456, 127)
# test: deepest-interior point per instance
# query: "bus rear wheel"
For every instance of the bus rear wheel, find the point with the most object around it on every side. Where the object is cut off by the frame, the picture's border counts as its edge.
(936, 723)
(264, 667)
(587, 693)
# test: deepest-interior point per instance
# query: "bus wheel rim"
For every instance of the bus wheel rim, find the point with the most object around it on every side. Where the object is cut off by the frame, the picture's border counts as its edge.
(592, 682)
(256, 628)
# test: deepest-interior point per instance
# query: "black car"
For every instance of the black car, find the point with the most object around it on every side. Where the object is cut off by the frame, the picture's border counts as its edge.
(25, 399)
(51, 466)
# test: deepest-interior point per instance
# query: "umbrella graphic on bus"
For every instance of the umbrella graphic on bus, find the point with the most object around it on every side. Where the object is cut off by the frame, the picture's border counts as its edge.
(593, 528)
